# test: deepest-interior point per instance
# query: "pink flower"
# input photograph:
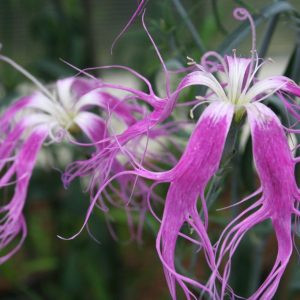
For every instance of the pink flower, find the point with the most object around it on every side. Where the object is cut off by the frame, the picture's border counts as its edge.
(52, 115)
(273, 159)
(239, 92)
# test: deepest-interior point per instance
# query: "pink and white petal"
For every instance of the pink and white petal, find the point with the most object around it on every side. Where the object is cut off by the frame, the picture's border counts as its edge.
(82, 86)
(64, 92)
(21, 228)
(41, 102)
(197, 165)
(92, 98)
(23, 166)
(10, 141)
(292, 88)
(205, 79)
(271, 150)
(37, 119)
(276, 169)
(12, 110)
(267, 86)
(92, 125)
(238, 72)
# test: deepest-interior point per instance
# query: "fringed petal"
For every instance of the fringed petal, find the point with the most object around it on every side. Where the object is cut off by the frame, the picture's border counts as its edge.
(93, 126)
(10, 113)
(282, 227)
(197, 165)
(276, 169)
(9, 142)
(12, 221)
(266, 87)
(273, 159)
(292, 88)
(205, 79)
(275, 166)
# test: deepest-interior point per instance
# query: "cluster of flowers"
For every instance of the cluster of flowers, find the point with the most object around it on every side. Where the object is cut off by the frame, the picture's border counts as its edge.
(54, 114)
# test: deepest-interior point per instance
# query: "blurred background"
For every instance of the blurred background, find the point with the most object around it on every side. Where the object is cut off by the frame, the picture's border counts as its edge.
(39, 34)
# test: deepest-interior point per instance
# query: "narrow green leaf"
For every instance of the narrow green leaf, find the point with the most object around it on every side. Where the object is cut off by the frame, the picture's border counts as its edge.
(268, 36)
(293, 71)
(184, 15)
(216, 14)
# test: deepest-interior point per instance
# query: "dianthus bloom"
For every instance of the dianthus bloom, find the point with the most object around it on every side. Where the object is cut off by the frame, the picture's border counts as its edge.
(239, 92)
(272, 156)
(46, 116)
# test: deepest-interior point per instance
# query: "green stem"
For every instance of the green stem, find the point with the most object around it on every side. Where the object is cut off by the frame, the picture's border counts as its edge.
(217, 17)
(184, 15)
(296, 70)
(233, 144)
(268, 36)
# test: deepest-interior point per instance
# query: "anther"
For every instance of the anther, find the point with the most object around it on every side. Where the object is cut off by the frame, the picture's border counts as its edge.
(191, 61)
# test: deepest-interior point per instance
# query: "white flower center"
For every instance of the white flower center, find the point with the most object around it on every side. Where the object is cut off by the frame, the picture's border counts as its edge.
(57, 111)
